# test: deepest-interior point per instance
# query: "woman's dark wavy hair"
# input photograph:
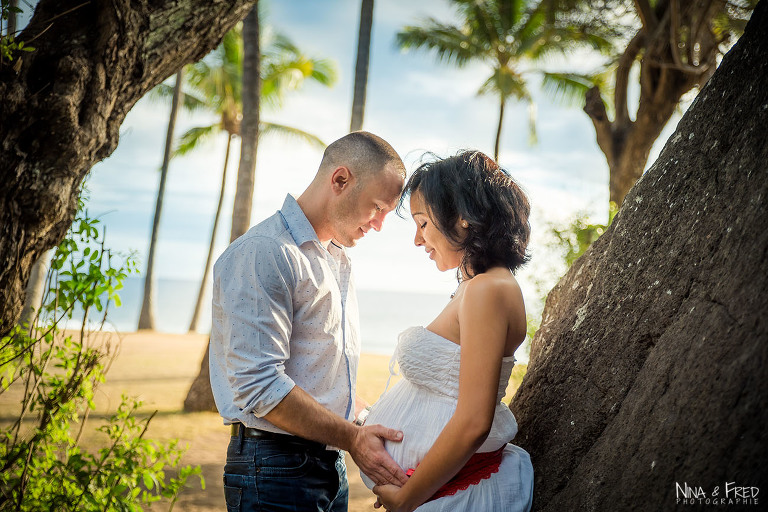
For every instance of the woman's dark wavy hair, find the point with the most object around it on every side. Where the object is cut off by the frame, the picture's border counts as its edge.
(473, 187)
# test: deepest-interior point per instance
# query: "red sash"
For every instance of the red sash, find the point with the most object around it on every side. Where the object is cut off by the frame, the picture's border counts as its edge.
(479, 467)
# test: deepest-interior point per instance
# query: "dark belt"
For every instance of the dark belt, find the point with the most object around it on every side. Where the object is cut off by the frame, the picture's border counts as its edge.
(255, 433)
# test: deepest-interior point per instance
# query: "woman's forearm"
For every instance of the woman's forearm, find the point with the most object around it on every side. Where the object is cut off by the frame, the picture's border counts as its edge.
(458, 441)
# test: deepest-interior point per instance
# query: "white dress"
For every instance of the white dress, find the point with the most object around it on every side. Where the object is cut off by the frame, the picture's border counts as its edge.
(421, 404)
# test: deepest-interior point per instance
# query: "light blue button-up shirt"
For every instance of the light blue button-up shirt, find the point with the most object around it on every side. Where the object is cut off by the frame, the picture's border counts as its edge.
(284, 314)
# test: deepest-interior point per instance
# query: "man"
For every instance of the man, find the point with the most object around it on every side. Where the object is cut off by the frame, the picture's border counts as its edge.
(285, 343)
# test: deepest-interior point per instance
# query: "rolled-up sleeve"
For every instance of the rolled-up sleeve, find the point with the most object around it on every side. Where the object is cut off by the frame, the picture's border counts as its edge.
(253, 310)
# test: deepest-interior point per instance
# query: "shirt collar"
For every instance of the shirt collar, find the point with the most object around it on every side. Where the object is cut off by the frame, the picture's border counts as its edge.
(302, 231)
(299, 226)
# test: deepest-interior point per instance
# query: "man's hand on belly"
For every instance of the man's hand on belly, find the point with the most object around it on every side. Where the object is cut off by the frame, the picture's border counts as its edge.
(368, 452)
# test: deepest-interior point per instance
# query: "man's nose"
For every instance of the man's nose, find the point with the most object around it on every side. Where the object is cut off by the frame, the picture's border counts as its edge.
(376, 222)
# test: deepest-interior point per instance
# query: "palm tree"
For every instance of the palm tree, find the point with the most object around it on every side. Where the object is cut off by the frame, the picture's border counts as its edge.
(361, 67)
(215, 85)
(503, 34)
(147, 315)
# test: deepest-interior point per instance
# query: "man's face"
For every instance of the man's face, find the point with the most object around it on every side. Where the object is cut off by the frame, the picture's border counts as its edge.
(363, 207)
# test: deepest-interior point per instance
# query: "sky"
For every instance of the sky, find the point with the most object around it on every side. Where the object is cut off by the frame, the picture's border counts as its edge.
(415, 103)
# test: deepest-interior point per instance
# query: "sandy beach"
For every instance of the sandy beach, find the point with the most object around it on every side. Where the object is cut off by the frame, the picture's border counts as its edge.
(158, 368)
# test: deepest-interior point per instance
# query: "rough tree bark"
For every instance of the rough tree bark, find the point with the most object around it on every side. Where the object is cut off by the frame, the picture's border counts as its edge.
(62, 113)
(650, 365)
(677, 48)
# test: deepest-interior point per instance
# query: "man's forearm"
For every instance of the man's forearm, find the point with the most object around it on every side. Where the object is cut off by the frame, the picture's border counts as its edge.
(301, 415)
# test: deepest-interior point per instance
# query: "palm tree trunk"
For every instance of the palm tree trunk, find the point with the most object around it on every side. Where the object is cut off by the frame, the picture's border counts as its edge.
(361, 67)
(498, 130)
(194, 324)
(147, 316)
(200, 397)
(246, 172)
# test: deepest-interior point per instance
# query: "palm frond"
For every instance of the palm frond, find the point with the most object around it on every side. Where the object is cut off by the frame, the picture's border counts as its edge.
(285, 68)
(161, 92)
(510, 14)
(449, 43)
(231, 48)
(267, 128)
(324, 72)
(567, 88)
(194, 137)
(483, 23)
(505, 83)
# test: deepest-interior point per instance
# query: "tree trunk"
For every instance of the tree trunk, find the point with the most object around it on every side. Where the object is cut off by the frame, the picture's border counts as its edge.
(147, 316)
(200, 397)
(497, 144)
(664, 78)
(62, 112)
(195, 323)
(648, 371)
(361, 67)
(12, 17)
(249, 136)
(36, 288)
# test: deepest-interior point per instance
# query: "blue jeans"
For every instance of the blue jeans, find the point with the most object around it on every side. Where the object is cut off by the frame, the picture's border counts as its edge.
(276, 475)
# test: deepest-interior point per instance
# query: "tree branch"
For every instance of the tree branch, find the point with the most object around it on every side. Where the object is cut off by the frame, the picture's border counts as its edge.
(595, 109)
(655, 45)
(674, 26)
(706, 16)
(622, 76)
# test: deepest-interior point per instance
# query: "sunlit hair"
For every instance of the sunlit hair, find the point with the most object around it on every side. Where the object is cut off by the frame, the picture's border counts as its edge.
(473, 187)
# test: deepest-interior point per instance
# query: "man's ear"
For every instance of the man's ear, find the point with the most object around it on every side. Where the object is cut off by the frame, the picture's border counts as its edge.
(341, 179)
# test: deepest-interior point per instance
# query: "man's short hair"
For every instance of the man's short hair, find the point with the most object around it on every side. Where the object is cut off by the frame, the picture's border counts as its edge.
(363, 153)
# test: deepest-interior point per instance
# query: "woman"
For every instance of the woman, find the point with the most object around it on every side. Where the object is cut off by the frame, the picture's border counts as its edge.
(470, 216)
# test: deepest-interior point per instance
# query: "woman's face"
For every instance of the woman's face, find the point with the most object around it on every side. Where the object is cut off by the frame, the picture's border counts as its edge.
(439, 248)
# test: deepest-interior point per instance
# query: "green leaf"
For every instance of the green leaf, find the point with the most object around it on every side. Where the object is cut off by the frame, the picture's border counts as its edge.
(149, 483)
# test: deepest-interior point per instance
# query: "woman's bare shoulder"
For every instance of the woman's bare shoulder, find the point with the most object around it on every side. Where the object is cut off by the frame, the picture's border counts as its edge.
(496, 282)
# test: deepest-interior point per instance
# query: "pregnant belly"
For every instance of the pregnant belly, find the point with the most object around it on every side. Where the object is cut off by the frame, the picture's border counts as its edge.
(420, 415)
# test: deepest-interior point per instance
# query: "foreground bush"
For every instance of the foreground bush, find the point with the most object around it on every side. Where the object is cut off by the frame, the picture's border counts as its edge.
(42, 465)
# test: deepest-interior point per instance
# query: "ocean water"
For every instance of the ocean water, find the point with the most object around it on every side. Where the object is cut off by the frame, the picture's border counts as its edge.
(383, 314)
